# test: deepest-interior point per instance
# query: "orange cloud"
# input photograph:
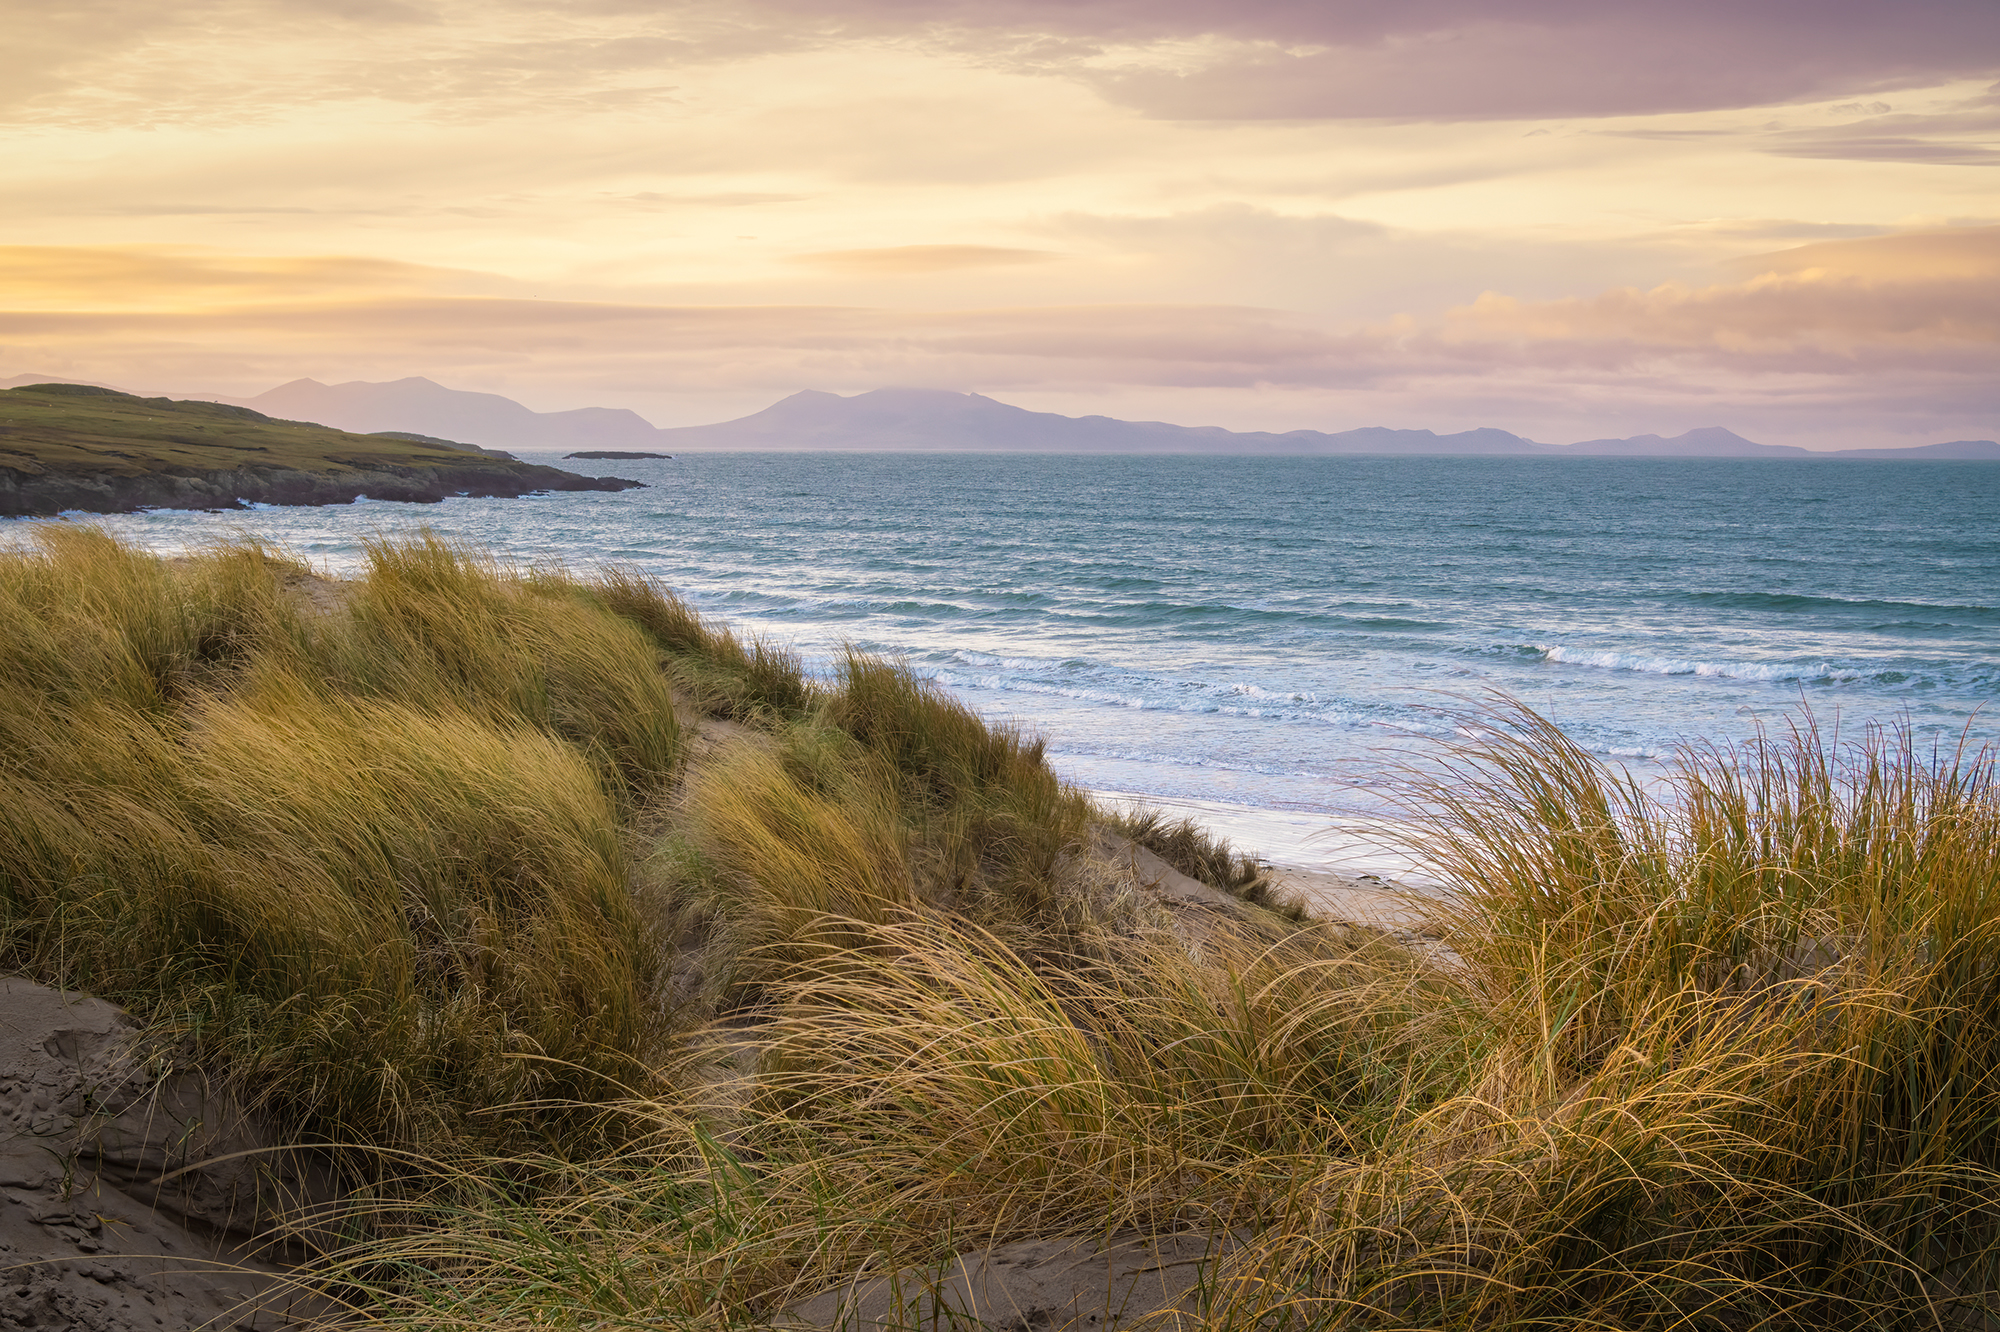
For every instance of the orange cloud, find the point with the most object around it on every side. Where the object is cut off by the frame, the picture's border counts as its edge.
(185, 278)
(1862, 307)
(1965, 252)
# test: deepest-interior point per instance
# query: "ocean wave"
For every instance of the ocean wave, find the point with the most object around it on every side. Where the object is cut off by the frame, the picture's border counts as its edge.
(789, 606)
(1151, 696)
(1136, 690)
(1209, 763)
(729, 591)
(1804, 601)
(1016, 685)
(1413, 726)
(1174, 612)
(1731, 670)
(976, 659)
(1257, 611)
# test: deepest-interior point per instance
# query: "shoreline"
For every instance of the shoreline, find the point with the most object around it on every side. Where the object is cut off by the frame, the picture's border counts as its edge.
(1289, 839)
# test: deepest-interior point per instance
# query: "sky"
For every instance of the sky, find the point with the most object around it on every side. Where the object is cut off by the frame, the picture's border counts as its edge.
(1568, 218)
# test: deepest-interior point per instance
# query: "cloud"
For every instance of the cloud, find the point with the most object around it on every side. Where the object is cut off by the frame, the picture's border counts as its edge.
(1892, 148)
(1462, 59)
(217, 63)
(1961, 135)
(655, 200)
(107, 62)
(1925, 302)
(899, 259)
(1947, 254)
(1785, 229)
(151, 278)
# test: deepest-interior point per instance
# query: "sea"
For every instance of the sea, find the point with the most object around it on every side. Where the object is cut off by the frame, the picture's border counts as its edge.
(1264, 642)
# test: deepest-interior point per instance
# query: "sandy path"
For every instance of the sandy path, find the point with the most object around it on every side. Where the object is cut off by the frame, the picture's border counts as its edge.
(1386, 904)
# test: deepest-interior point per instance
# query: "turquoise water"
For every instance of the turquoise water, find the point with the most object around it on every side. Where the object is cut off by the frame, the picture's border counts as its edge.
(1273, 632)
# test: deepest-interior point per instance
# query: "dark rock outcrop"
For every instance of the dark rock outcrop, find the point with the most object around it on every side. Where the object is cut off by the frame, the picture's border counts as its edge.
(29, 491)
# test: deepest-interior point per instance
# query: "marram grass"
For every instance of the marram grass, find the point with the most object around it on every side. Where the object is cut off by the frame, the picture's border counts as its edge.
(1720, 1059)
(372, 855)
(1200, 854)
(844, 995)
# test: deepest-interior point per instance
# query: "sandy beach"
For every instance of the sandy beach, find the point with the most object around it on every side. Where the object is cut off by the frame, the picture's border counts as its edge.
(1341, 869)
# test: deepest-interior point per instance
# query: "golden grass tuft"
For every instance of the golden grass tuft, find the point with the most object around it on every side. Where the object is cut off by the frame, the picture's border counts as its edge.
(376, 860)
(723, 676)
(991, 819)
(442, 625)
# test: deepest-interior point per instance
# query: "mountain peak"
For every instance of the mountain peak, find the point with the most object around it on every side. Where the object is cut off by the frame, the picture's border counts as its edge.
(1700, 442)
(1715, 435)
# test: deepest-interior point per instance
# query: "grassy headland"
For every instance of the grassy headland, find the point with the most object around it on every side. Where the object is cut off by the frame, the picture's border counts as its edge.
(701, 986)
(73, 447)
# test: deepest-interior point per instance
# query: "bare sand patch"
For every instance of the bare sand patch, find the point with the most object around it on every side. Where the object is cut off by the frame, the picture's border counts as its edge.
(136, 1195)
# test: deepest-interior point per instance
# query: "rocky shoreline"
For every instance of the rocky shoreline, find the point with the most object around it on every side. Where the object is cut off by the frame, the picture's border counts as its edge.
(41, 494)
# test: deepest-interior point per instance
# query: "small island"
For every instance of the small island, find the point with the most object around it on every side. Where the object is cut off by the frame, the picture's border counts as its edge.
(619, 455)
(74, 447)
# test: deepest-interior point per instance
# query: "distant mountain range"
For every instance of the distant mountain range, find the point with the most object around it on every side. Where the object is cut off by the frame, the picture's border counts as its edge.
(915, 420)
(421, 406)
(936, 420)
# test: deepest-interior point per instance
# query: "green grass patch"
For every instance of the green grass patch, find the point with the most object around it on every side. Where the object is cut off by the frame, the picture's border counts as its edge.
(76, 428)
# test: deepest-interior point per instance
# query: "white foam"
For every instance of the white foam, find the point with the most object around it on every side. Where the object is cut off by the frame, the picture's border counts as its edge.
(1734, 670)
(1162, 694)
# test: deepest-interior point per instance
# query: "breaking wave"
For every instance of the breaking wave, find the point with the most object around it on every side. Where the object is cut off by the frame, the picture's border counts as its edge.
(1732, 670)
